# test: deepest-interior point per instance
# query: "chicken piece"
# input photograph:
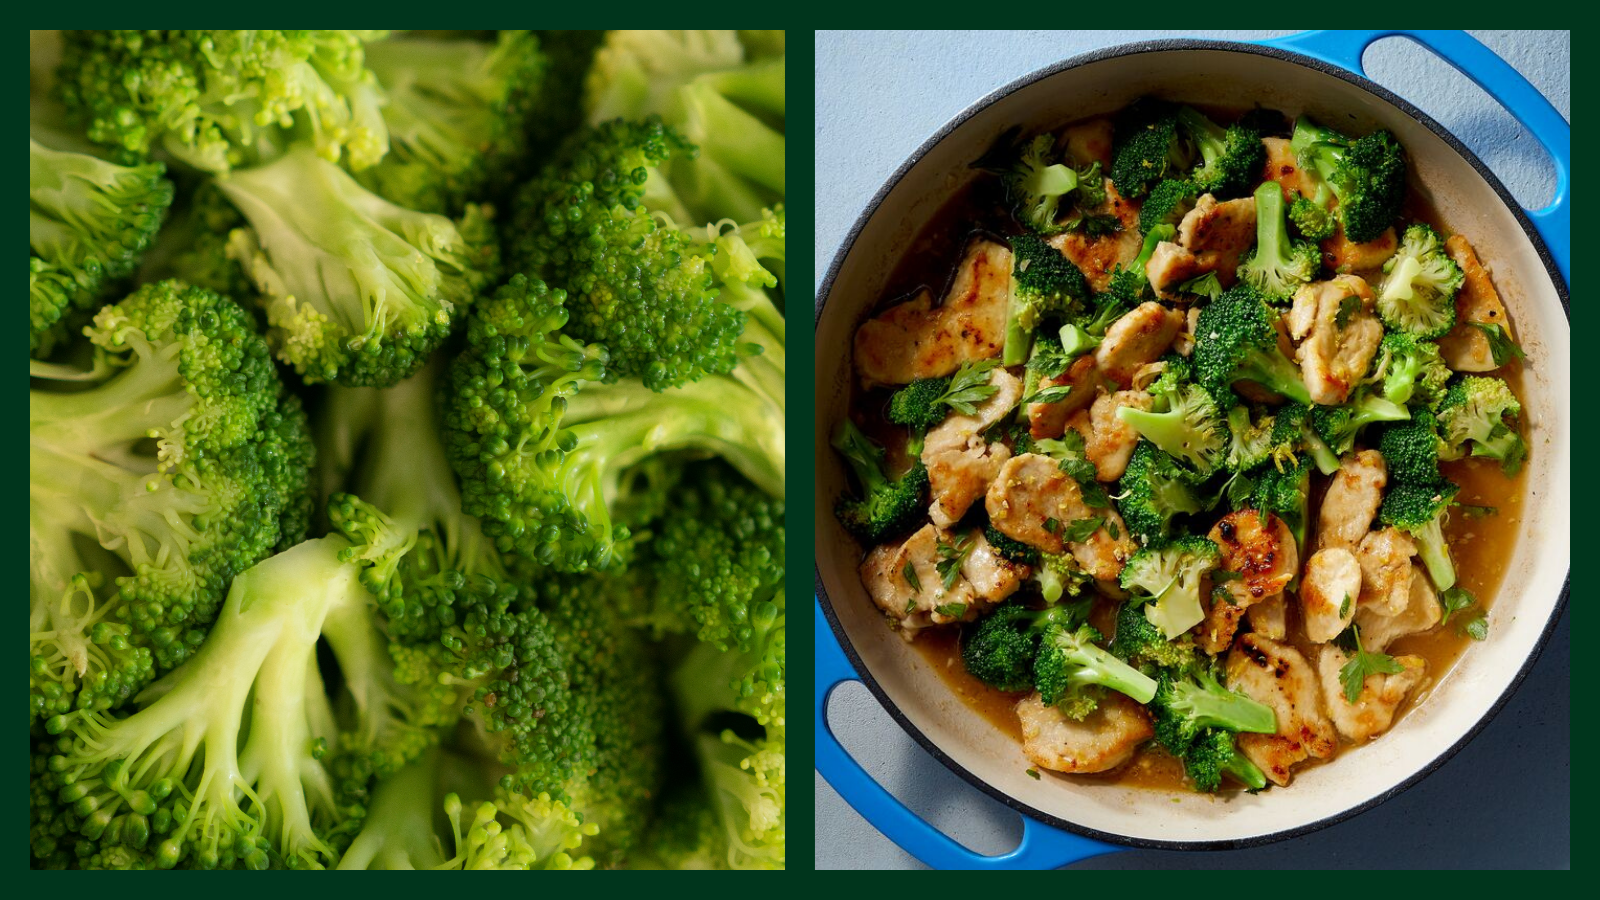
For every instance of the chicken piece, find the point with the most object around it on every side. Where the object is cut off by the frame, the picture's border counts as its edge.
(1465, 348)
(1328, 593)
(1270, 617)
(915, 340)
(1110, 441)
(1049, 420)
(1422, 612)
(1030, 490)
(1183, 344)
(1228, 228)
(1351, 500)
(1385, 558)
(1098, 257)
(1283, 168)
(913, 607)
(992, 576)
(1104, 739)
(1339, 332)
(1106, 551)
(960, 462)
(1277, 675)
(1089, 142)
(1171, 265)
(1141, 336)
(1263, 558)
(1381, 695)
(1342, 255)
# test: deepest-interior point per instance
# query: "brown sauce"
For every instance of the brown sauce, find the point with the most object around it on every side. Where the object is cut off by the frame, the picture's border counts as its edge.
(1481, 547)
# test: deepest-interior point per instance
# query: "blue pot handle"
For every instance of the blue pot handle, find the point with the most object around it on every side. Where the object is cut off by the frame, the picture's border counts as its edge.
(1504, 83)
(1042, 847)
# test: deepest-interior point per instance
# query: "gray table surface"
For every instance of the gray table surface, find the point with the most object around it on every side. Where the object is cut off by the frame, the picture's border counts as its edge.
(1502, 802)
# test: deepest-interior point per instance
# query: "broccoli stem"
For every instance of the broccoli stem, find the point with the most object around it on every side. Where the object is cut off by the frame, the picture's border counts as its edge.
(1322, 455)
(1435, 553)
(1242, 770)
(1021, 317)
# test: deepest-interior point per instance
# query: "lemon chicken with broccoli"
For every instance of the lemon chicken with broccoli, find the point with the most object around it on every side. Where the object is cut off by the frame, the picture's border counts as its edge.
(1203, 459)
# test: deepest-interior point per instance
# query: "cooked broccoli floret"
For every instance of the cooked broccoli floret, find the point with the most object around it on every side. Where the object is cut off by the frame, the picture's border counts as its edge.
(1410, 369)
(1277, 265)
(1153, 491)
(1366, 175)
(1235, 341)
(1255, 439)
(1420, 509)
(919, 404)
(1215, 753)
(1010, 548)
(1481, 412)
(1045, 285)
(1338, 426)
(1417, 295)
(1167, 204)
(1313, 222)
(1191, 700)
(1129, 285)
(1230, 158)
(1071, 667)
(885, 508)
(1285, 491)
(1140, 642)
(999, 650)
(1059, 575)
(1148, 147)
(1410, 450)
(1170, 572)
(1189, 428)
(1038, 181)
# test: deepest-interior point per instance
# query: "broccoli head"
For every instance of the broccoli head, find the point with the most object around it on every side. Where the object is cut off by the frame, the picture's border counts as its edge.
(885, 508)
(1167, 203)
(1418, 292)
(1148, 147)
(919, 405)
(1235, 341)
(1284, 490)
(1339, 426)
(1230, 158)
(1410, 369)
(1419, 508)
(1045, 285)
(1410, 449)
(1313, 222)
(1141, 643)
(1367, 176)
(1215, 753)
(1170, 573)
(1071, 668)
(1129, 285)
(1000, 648)
(1153, 491)
(1190, 428)
(1480, 412)
(1277, 265)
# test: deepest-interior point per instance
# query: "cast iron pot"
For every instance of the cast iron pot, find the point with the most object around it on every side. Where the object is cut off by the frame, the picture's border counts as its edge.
(1316, 73)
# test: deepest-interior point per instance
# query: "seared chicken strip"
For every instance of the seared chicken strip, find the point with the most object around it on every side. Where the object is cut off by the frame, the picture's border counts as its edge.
(1104, 739)
(1089, 142)
(1141, 336)
(960, 462)
(1270, 617)
(1342, 255)
(1033, 501)
(1421, 613)
(1351, 500)
(1108, 441)
(1385, 558)
(1465, 348)
(1049, 420)
(992, 576)
(916, 340)
(1099, 256)
(1261, 559)
(1328, 593)
(1284, 168)
(915, 603)
(1339, 331)
(1381, 695)
(1277, 675)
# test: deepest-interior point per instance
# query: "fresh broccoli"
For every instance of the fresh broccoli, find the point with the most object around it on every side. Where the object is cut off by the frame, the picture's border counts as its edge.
(1148, 147)
(1167, 204)
(1285, 491)
(1313, 222)
(885, 507)
(1045, 285)
(1235, 341)
(175, 463)
(999, 649)
(1215, 753)
(1339, 426)
(1141, 643)
(1039, 189)
(1170, 572)
(1071, 667)
(1418, 292)
(1153, 491)
(1367, 176)
(1190, 428)
(1129, 285)
(1010, 548)
(919, 405)
(1230, 158)
(221, 99)
(355, 289)
(1255, 439)
(88, 223)
(1410, 449)
(1410, 369)
(1480, 412)
(193, 246)
(1419, 508)
(1277, 265)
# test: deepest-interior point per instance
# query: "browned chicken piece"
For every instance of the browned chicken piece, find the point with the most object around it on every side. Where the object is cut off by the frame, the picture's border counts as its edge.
(1380, 698)
(913, 607)
(1110, 441)
(1183, 344)
(1106, 551)
(1421, 613)
(915, 340)
(1264, 559)
(1283, 168)
(1385, 558)
(1328, 593)
(1104, 739)
(1030, 490)
(1089, 142)
(1270, 617)
(960, 462)
(992, 576)
(1098, 257)
(1277, 675)
(1351, 500)
(1339, 331)
(1171, 265)
(1465, 348)
(1228, 228)
(1140, 336)
(1049, 420)
(1342, 255)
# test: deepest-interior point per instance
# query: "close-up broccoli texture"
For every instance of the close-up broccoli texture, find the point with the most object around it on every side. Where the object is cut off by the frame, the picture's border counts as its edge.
(407, 424)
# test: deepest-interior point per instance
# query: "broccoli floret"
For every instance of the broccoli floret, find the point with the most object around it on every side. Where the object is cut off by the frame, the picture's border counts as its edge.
(89, 221)
(1192, 700)
(1420, 510)
(918, 405)
(220, 99)
(1215, 753)
(1285, 491)
(1235, 341)
(1410, 449)
(1059, 575)
(1230, 158)
(1277, 265)
(1148, 148)
(885, 508)
(181, 461)
(1170, 572)
(1037, 187)
(1253, 440)
(1167, 204)
(1190, 427)
(1010, 548)
(1140, 642)
(1313, 222)
(1480, 412)
(1338, 426)
(1153, 491)
(1366, 175)
(356, 290)
(1128, 285)
(1417, 295)
(1044, 285)
(1410, 369)
(1071, 667)
(999, 649)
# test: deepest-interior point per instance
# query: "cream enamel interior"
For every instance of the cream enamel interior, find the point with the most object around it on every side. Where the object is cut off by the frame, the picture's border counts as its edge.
(1538, 567)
